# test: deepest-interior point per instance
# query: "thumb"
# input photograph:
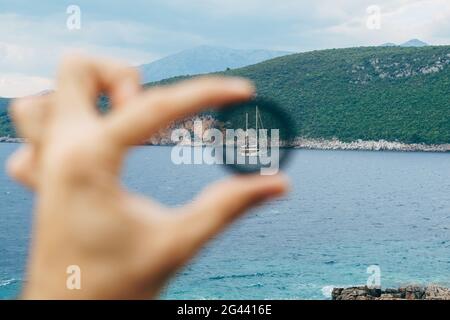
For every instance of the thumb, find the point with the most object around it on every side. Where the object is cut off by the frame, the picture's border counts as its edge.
(222, 203)
(22, 166)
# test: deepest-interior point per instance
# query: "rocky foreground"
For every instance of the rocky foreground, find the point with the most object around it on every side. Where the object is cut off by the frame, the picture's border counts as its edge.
(410, 292)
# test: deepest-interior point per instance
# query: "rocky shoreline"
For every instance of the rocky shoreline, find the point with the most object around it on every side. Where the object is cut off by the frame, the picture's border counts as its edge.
(409, 292)
(318, 144)
(11, 140)
(380, 145)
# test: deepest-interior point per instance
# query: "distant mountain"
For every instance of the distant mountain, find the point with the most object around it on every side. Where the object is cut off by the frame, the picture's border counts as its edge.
(411, 43)
(43, 92)
(414, 43)
(388, 44)
(204, 59)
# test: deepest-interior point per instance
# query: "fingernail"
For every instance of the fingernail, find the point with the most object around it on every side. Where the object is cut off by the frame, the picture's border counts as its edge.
(241, 84)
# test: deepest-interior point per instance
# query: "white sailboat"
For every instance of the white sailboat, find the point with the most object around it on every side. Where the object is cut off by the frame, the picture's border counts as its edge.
(247, 149)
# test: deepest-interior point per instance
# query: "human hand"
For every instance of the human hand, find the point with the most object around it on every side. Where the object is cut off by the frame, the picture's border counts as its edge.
(127, 246)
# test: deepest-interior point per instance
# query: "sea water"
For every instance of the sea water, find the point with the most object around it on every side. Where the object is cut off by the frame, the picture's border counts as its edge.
(347, 210)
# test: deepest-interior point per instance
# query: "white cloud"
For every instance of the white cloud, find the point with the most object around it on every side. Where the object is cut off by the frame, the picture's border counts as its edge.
(37, 45)
(424, 19)
(29, 55)
(32, 44)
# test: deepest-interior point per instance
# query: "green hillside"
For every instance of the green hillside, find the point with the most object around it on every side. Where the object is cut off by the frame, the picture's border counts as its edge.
(371, 93)
(6, 129)
(362, 93)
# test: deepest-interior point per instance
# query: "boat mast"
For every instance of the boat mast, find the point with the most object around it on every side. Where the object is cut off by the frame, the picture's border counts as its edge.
(246, 122)
(246, 130)
(256, 119)
(256, 122)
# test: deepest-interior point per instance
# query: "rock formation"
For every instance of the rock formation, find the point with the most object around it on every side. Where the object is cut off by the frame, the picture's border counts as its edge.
(410, 292)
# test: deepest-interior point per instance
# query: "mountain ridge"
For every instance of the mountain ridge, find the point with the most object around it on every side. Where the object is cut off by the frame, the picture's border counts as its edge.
(414, 43)
(410, 43)
(204, 59)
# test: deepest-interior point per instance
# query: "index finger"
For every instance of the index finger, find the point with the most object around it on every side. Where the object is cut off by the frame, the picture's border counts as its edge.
(158, 107)
(81, 79)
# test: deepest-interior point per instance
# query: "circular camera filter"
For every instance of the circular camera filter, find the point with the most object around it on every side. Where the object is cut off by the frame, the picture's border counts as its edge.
(257, 136)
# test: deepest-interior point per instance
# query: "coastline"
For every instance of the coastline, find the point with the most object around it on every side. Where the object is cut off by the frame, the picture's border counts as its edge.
(12, 140)
(361, 145)
(323, 144)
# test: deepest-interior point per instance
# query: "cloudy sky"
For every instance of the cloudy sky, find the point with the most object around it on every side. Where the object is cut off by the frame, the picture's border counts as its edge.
(34, 34)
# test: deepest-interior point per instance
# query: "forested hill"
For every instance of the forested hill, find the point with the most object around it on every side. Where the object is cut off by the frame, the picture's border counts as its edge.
(6, 129)
(390, 93)
(371, 93)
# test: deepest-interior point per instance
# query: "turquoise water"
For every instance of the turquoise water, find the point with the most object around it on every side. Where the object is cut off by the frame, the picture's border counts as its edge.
(347, 210)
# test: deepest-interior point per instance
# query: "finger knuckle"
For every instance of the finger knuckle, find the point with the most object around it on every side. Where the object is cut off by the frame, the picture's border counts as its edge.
(132, 74)
(71, 163)
(17, 107)
(14, 168)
